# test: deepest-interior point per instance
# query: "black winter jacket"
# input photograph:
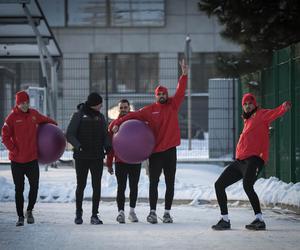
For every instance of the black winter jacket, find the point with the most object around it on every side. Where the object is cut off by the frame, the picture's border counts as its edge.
(87, 133)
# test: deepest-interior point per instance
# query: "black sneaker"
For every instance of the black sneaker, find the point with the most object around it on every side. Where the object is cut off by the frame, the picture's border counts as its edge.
(29, 216)
(256, 225)
(78, 219)
(167, 218)
(152, 218)
(20, 221)
(222, 225)
(95, 220)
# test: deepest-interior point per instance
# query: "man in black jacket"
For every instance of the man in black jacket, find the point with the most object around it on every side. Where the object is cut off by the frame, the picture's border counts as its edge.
(87, 133)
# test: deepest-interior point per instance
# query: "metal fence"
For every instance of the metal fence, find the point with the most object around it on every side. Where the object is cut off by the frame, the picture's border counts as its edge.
(276, 84)
(133, 77)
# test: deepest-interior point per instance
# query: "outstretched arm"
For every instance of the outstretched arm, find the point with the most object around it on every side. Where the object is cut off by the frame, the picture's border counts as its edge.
(271, 115)
(139, 115)
(181, 86)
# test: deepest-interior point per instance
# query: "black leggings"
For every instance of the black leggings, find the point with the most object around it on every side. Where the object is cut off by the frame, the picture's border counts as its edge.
(32, 172)
(247, 170)
(132, 171)
(82, 168)
(165, 161)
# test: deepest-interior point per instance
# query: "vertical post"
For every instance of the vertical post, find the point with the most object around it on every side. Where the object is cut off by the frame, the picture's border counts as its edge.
(106, 87)
(234, 87)
(189, 99)
(276, 99)
(292, 91)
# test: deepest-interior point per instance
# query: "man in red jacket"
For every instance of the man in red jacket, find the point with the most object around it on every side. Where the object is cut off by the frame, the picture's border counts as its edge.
(252, 153)
(162, 117)
(123, 171)
(19, 135)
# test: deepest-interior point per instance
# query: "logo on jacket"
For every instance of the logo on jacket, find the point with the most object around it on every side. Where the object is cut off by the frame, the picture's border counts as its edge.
(19, 121)
(34, 118)
(155, 113)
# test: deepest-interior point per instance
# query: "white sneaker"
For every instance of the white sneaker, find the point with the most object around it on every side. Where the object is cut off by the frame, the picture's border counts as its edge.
(132, 217)
(121, 217)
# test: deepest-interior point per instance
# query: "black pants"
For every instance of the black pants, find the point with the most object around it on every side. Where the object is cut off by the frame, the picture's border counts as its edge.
(163, 161)
(82, 168)
(132, 171)
(247, 170)
(32, 172)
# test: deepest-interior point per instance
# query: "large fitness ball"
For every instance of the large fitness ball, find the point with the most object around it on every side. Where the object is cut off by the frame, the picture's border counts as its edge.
(51, 143)
(134, 141)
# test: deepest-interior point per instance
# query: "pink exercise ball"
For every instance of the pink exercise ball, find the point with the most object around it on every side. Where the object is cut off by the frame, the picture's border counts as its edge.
(51, 143)
(134, 141)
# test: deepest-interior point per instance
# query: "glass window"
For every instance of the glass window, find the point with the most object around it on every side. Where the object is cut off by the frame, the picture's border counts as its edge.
(127, 73)
(136, 13)
(87, 13)
(54, 11)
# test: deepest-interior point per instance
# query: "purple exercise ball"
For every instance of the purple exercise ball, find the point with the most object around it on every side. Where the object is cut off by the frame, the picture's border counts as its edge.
(134, 141)
(51, 143)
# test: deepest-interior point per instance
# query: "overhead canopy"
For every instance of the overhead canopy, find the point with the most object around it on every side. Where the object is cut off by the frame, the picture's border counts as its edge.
(24, 31)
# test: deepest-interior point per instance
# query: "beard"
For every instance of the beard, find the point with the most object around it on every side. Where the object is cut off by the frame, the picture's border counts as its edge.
(162, 100)
(247, 115)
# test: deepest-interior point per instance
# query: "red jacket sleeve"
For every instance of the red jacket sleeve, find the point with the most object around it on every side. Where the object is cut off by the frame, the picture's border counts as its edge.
(7, 135)
(180, 91)
(139, 115)
(44, 119)
(271, 115)
(110, 156)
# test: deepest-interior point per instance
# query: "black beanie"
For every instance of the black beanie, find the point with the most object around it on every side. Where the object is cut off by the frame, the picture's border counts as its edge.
(93, 99)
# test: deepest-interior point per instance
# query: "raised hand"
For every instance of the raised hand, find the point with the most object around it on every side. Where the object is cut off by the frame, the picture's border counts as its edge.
(287, 105)
(184, 67)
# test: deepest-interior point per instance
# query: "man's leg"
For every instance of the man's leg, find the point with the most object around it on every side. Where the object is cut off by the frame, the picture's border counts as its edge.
(229, 176)
(121, 174)
(155, 169)
(96, 168)
(134, 172)
(33, 175)
(253, 166)
(82, 168)
(169, 169)
(18, 176)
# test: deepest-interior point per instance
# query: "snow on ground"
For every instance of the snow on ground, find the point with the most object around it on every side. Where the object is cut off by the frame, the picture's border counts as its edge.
(54, 213)
(193, 182)
(55, 229)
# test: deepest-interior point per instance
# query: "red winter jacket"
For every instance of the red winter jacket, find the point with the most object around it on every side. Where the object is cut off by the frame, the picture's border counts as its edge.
(19, 134)
(254, 139)
(111, 155)
(162, 118)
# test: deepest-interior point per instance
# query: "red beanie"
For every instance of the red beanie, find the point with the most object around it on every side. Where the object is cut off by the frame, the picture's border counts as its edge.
(249, 98)
(160, 88)
(21, 97)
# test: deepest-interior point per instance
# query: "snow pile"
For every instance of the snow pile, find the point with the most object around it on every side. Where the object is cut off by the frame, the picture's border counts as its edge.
(193, 182)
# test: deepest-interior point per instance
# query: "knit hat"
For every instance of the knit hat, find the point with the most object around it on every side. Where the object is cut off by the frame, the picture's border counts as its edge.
(160, 88)
(22, 97)
(94, 99)
(249, 98)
